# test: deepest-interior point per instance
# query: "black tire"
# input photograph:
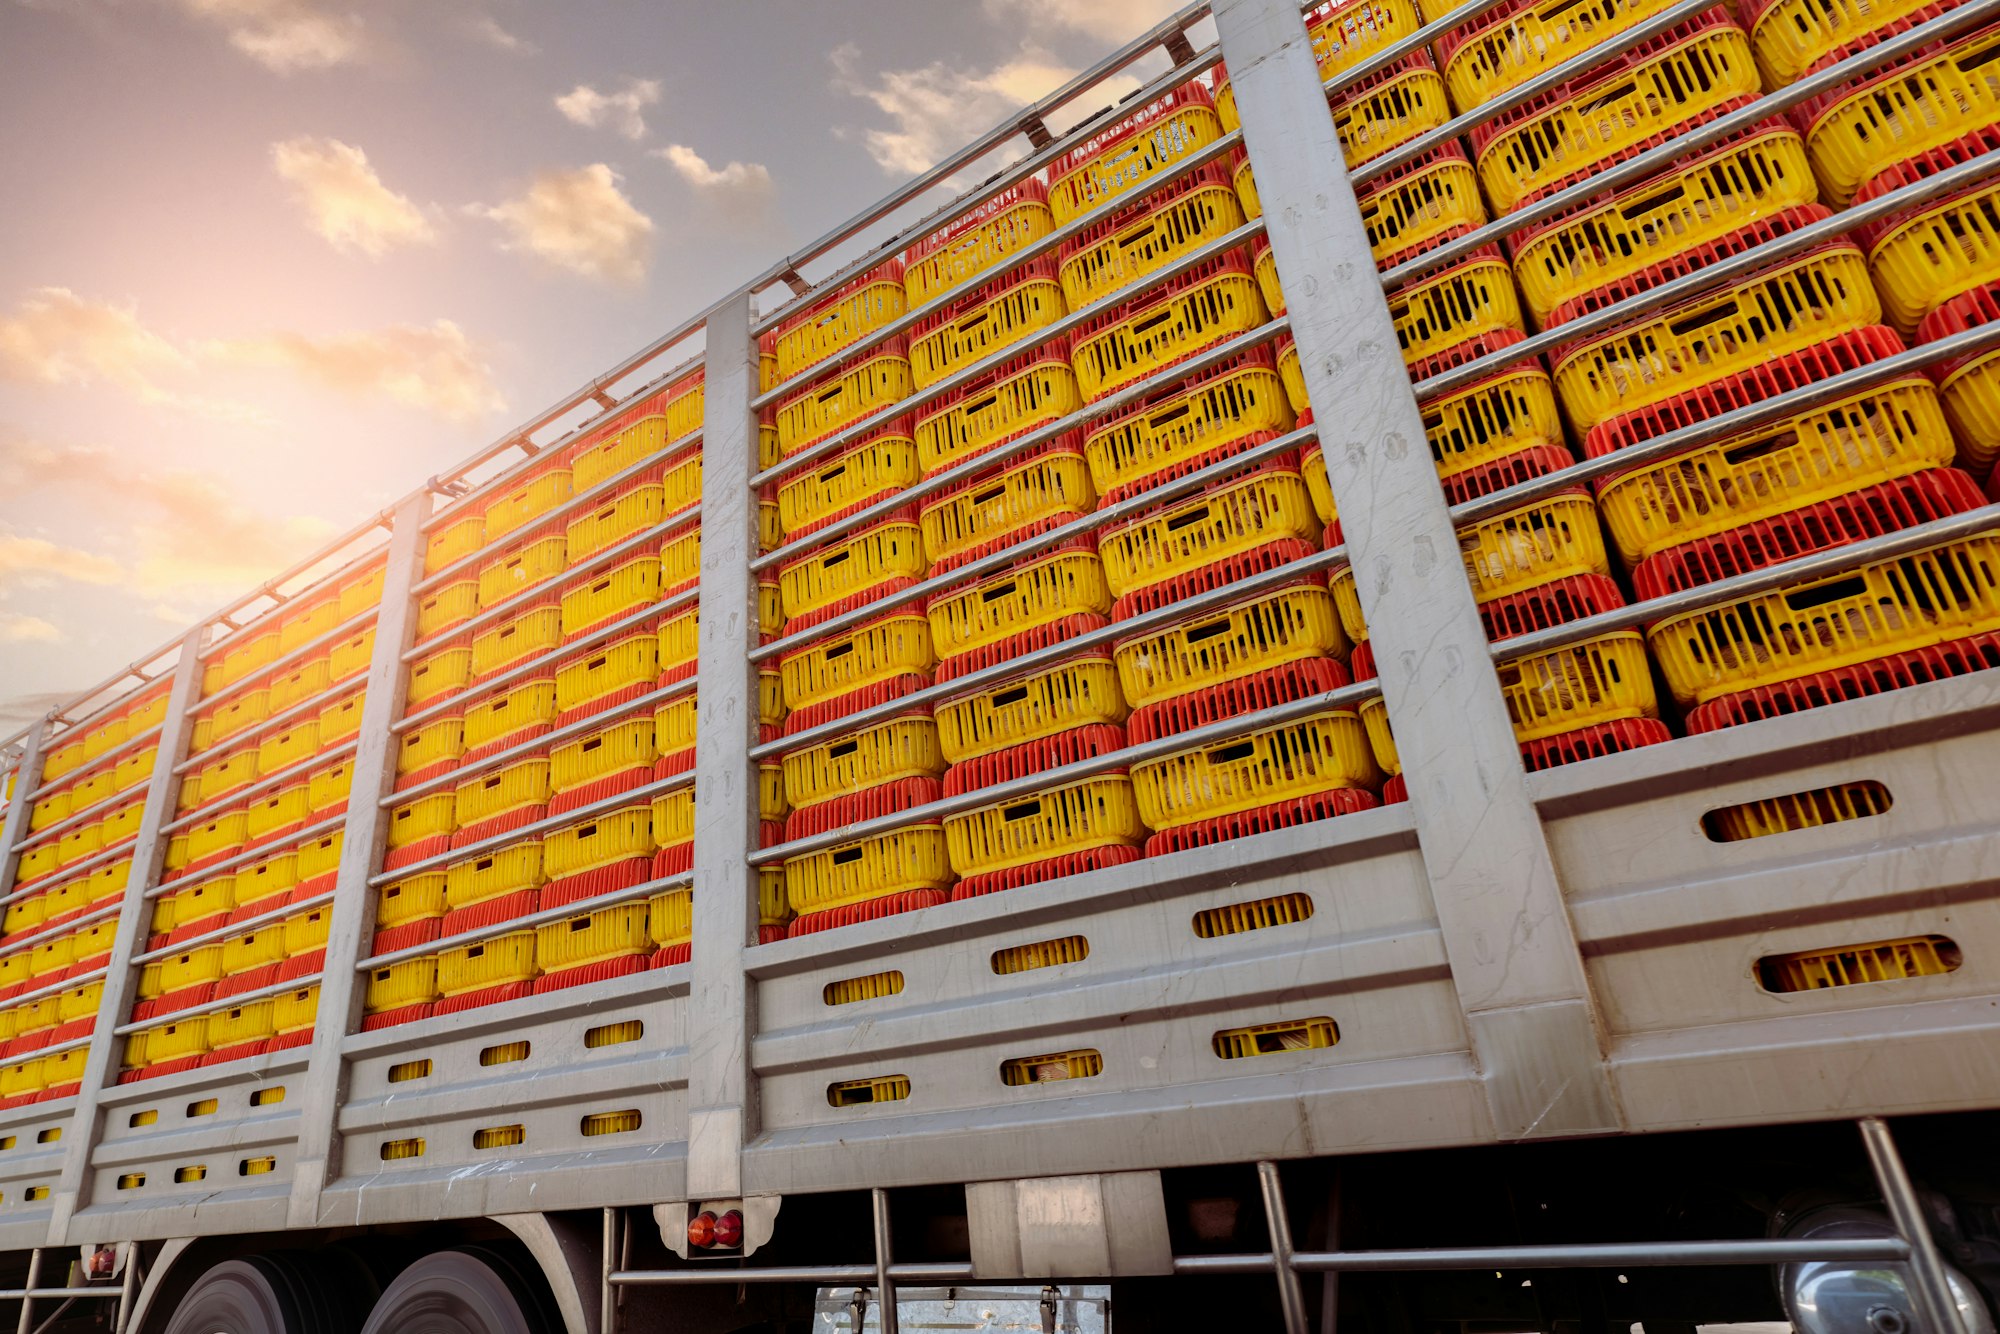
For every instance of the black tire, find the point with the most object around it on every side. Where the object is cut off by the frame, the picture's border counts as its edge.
(271, 1294)
(469, 1291)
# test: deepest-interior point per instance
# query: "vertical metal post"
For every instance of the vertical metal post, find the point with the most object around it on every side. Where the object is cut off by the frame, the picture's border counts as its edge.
(27, 777)
(607, 1296)
(1291, 1293)
(25, 1323)
(128, 1287)
(721, 1111)
(353, 920)
(121, 979)
(885, 1287)
(1507, 933)
(1928, 1281)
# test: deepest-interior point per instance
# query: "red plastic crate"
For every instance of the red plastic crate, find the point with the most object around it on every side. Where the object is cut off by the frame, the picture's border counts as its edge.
(1591, 742)
(852, 807)
(1472, 349)
(1262, 820)
(1034, 873)
(677, 860)
(288, 1041)
(499, 824)
(1027, 641)
(1967, 310)
(1508, 470)
(1934, 493)
(200, 994)
(404, 1014)
(598, 880)
(1958, 657)
(848, 914)
(239, 1052)
(250, 979)
(310, 964)
(896, 429)
(472, 1000)
(1282, 684)
(1394, 178)
(489, 912)
(1033, 757)
(601, 971)
(421, 932)
(1545, 605)
(1219, 574)
(830, 710)
(1748, 237)
(1048, 523)
(409, 855)
(598, 789)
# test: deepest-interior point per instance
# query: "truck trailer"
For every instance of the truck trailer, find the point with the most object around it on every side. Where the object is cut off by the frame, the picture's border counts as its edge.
(965, 777)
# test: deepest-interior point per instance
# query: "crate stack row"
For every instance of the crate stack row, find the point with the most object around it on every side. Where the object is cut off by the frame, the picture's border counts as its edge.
(1873, 462)
(253, 849)
(1170, 674)
(61, 912)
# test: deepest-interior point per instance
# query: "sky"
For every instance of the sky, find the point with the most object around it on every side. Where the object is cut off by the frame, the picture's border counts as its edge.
(267, 264)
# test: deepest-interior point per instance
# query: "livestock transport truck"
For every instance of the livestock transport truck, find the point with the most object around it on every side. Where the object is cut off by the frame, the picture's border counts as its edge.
(1112, 862)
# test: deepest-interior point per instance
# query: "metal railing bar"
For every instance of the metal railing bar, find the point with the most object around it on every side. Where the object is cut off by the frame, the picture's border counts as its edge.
(1750, 1251)
(112, 756)
(825, 1275)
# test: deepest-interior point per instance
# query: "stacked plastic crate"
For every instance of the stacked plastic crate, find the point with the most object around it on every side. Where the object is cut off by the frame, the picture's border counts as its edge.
(239, 921)
(61, 914)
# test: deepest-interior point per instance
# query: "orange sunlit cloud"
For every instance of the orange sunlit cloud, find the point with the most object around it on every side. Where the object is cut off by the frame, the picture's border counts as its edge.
(433, 368)
(581, 221)
(345, 201)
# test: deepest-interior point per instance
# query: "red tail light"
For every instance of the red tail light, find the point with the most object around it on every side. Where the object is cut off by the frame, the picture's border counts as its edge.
(702, 1229)
(729, 1229)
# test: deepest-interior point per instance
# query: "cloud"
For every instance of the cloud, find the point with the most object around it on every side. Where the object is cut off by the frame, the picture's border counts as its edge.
(620, 111)
(38, 562)
(1111, 20)
(433, 368)
(742, 189)
(17, 629)
(581, 221)
(937, 108)
(346, 201)
(56, 337)
(285, 35)
(487, 29)
(32, 708)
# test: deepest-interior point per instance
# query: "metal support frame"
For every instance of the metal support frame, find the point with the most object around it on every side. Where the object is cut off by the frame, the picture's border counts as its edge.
(1513, 953)
(121, 975)
(721, 1109)
(351, 928)
(27, 777)
(1929, 1284)
(885, 1283)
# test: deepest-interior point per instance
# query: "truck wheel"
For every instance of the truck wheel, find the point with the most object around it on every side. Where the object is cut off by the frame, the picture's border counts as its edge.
(470, 1291)
(266, 1294)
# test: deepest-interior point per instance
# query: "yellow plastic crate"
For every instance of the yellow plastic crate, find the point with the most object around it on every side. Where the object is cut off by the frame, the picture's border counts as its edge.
(618, 592)
(1505, 414)
(673, 818)
(680, 554)
(674, 724)
(19, 1078)
(1532, 544)
(106, 884)
(439, 741)
(1903, 112)
(1343, 34)
(636, 443)
(841, 320)
(1097, 812)
(986, 322)
(134, 768)
(41, 860)
(416, 898)
(511, 712)
(190, 968)
(1802, 302)
(895, 863)
(1393, 108)
(888, 751)
(282, 750)
(427, 817)
(896, 645)
(1859, 441)
(599, 841)
(1506, 54)
(1971, 396)
(302, 627)
(239, 661)
(80, 1002)
(1791, 36)
(515, 572)
(64, 759)
(1601, 680)
(1269, 505)
(1942, 593)
(351, 656)
(253, 949)
(617, 932)
(1413, 207)
(47, 957)
(45, 811)
(24, 915)
(670, 916)
(320, 856)
(640, 506)
(306, 932)
(228, 774)
(1287, 624)
(630, 661)
(411, 982)
(1036, 490)
(1718, 192)
(1157, 330)
(266, 880)
(1039, 592)
(976, 242)
(91, 789)
(177, 1041)
(1266, 270)
(1129, 152)
(196, 903)
(1933, 256)
(241, 1024)
(299, 683)
(442, 608)
(614, 749)
(287, 806)
(1312, 466)
(1030, 391)
(878, 382)
(490, 963)
(893, 549)
(360, 593)
(340, 721)
(104, 736)
(219, 834)
(454, 542)
(1461, 303)
(294, 1011)
(532, 633)
(1326, 751)
(438, 675)
(523, 503)
(1617, 111)
(879, 466)
(237, 715)
(490, 875)
(330, 786)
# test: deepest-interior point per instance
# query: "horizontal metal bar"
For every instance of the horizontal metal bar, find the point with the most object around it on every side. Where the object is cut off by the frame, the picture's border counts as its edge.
(55, 988)
(1803, 569)
(58, 1048)
(228, 929)
(534, 666)
(823, 1275)
(855, 353)
(111, 757)
(957, 380)
(1750, 1251)
(1778, 408)
(76, 819)
(1713, 275)
(20, 944)
(1139, 753)
(135, 669)
(54, 1294)
(251, 628)
(304, 768)
(535, 747)
(306, 835)
(616, 801)
(221, 1003)
(315, 704)
(70, 874)
(1969, 15)
(278, 664)
(610, 486)
(1028, 663)
(528, 921)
